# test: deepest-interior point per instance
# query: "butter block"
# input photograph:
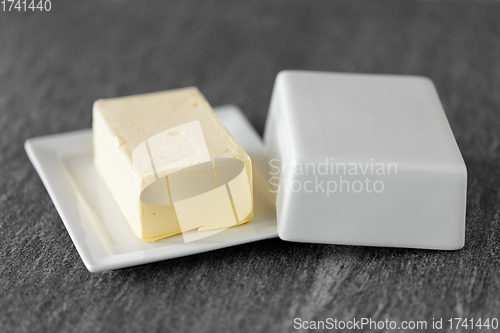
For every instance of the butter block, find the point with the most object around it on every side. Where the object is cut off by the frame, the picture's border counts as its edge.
(360, 159)
(170, 164)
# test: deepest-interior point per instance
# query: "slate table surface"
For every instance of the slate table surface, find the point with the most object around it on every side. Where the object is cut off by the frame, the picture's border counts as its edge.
(53, 65)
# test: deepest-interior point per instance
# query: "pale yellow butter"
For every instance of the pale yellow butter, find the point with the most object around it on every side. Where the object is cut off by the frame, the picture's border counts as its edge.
(170, 164)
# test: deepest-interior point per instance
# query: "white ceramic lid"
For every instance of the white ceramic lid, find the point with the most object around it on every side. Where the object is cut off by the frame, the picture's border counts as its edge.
(364, 160)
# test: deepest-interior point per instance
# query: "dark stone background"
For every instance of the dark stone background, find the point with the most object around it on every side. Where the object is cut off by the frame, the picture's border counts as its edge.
(54, 65)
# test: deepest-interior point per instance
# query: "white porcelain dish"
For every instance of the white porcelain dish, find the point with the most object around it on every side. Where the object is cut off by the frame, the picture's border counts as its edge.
(366, 160)
(94, 222)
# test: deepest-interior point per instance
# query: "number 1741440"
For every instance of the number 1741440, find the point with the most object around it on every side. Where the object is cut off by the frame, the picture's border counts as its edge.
(26, 5)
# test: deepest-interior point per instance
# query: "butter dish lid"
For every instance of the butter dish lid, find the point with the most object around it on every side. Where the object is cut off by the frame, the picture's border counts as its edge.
(363, 159)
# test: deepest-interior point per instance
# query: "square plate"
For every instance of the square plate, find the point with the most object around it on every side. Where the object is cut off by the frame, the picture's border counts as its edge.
(96, 225)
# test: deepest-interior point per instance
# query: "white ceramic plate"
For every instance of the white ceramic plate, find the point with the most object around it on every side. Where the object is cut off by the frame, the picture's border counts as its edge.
(95, 223)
